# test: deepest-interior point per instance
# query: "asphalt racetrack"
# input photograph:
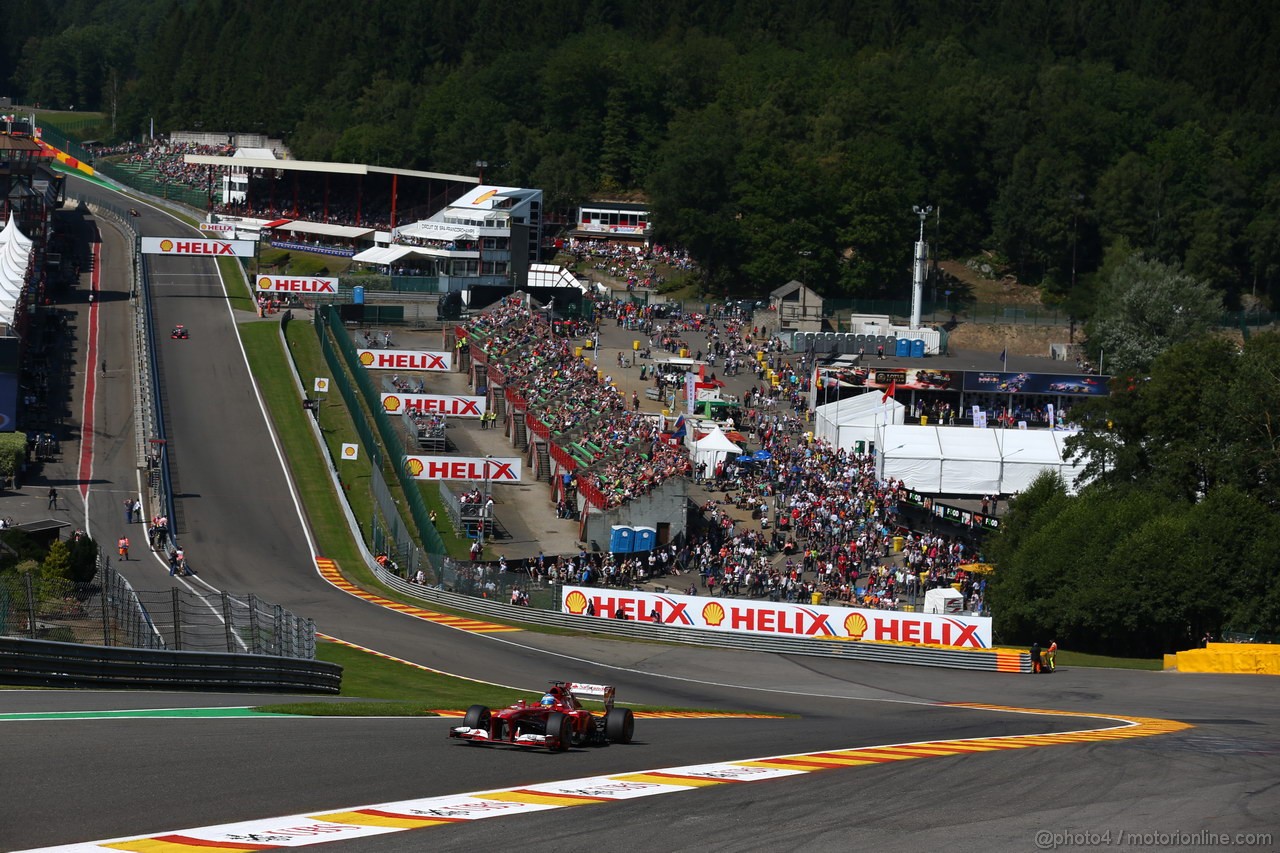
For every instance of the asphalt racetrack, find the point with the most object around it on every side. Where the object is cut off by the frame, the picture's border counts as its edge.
(73, 781)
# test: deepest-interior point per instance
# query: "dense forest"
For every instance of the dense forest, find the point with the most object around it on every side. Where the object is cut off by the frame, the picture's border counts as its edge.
(1118, 153)
(765, 136)
(1178, 535)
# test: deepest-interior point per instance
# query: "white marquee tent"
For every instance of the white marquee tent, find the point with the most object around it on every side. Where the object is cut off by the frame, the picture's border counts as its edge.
(15, 249)
(857, 418)
(712, 449)
(970, 461)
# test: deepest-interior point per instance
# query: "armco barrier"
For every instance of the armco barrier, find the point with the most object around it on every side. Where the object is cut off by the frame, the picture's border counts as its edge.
(51, 664)
(988, 660)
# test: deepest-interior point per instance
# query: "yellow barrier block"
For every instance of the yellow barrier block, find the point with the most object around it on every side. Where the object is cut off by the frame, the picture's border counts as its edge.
(1238, 658)
(1170, 662)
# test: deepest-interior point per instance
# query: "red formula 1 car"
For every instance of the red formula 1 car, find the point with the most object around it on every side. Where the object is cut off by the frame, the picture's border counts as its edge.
(556, 722)
(180, 332)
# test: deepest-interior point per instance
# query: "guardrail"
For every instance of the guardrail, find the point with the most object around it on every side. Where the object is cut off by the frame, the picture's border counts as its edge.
(46, 663)
(977, 659)
(146, 409)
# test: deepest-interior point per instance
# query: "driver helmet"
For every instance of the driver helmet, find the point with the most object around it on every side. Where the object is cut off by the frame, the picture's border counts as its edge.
(548, 699)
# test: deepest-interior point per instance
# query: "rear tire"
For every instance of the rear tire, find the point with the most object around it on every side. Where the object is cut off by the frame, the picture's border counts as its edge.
(619, 725)
(560, 727)
(477, 717)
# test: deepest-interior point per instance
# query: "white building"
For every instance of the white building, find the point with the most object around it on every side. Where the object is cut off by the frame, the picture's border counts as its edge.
(488, 236)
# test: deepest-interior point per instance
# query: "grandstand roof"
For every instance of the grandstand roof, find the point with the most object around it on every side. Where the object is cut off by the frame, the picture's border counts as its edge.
(321, 166)
(323, 228)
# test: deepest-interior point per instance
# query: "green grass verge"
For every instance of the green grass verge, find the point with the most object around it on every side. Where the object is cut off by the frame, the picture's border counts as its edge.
(409, 691)
(237, 285)
(1069, 658)
(308, 465)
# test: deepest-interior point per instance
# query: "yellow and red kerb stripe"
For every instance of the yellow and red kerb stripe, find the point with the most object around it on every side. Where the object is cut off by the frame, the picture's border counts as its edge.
(363, 821)
(329, 571)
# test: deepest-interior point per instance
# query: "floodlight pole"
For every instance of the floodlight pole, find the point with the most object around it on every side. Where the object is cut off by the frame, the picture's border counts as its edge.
(920, 267)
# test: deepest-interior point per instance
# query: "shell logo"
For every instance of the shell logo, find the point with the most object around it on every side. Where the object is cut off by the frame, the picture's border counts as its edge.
(366, 358)
(264, 283)
(576, 603)
(349, 451)
(713, 614)
(414, 467)
(166, 245)
(391, 404)
(855, 625)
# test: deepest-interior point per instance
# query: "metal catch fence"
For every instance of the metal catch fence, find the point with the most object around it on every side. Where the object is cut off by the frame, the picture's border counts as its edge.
(109, 612)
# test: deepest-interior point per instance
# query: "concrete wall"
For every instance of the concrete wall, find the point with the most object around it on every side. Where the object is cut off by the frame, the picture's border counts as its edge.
(666, 504)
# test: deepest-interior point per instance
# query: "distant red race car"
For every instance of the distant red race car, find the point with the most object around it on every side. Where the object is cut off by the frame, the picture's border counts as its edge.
(180, 332)
(556, 722)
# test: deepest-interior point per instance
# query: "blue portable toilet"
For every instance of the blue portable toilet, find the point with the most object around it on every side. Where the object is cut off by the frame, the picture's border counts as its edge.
(917, 349)
(357, 294)
(621, 539)
(902, 349)
(646, 539)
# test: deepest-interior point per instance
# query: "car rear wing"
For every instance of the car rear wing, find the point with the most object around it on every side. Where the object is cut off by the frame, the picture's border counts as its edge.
(603, 692)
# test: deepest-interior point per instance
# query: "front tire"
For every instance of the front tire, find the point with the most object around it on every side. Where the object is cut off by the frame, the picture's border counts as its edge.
(560, 727)
(478, 717)
(619, 725)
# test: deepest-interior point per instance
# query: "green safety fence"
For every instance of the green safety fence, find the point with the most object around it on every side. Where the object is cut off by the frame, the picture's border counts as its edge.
(349, 397)
(393, 283)
(148, 181)
(328, 316)
(60, 138)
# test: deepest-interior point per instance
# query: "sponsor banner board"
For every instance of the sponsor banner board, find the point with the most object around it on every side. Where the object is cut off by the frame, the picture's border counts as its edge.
(495, 470)
(287, 284)
(1036, 383)
(206, 248)
(218, 227)
(444, 404)
(782, 618)
(318, 250)
(399, 359)
(901, 377)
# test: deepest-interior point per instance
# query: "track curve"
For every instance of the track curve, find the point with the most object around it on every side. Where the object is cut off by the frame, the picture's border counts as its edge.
(238, 522)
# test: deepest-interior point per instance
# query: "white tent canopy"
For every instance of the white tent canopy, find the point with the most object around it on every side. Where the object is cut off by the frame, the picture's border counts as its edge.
(15, 249)
(550, 275)
(383, 254)
(943, 600)
(857, 418)
(326, 229)
(970, 461)
(712, 449)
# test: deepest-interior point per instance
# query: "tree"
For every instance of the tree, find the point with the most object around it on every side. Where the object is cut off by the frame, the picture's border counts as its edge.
(13, 449)
(1144, 307)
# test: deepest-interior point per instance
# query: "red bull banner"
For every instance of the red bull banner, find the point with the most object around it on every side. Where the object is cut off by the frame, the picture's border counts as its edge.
(493, 470)
(398, 359)
(444, 404)
(781, 618)
(200, 248)
(287, 284)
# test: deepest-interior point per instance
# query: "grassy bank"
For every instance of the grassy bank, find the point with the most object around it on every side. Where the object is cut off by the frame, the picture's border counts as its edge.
(404, 690)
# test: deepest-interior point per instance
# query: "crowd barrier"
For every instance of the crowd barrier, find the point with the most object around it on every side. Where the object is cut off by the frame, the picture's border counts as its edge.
(985, 659)
(1240, 658)
(45, 663)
